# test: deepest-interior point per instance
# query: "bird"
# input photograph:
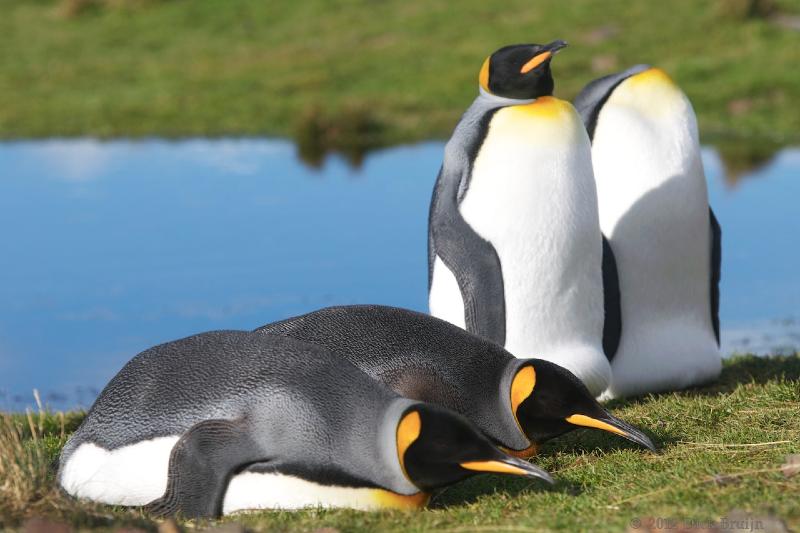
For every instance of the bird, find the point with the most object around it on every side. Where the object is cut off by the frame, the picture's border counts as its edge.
(667, 242)
(515, 252)
(226, 421)
(517, 403)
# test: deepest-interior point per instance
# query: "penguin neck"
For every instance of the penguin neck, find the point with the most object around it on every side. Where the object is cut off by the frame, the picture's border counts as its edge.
(502, 101)
(392, 476)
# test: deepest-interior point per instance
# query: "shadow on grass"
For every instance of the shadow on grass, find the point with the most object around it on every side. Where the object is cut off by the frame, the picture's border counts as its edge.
(475, 488)
(736, 371)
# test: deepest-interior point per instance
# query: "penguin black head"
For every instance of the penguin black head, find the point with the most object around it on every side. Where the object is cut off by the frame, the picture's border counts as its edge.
(548, 401)
(437, 447)
(520, 71)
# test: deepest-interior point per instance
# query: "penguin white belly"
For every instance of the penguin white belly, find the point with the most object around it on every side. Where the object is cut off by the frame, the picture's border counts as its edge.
(532, 195)
(445, 300)
(654, 210)
(255, 490)
(130, 475)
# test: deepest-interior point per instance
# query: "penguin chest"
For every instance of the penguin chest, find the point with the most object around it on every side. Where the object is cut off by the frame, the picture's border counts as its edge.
(654, 204)
(256, 490)
(532, 195)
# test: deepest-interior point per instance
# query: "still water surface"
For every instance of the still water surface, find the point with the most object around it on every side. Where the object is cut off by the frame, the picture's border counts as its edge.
(108, 248)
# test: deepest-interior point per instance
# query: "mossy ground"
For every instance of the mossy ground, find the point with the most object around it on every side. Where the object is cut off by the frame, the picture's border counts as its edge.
(371, 73)
(722, 449)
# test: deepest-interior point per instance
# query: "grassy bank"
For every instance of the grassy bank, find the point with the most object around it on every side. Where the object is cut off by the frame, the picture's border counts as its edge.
(723, 453)
(360, 72)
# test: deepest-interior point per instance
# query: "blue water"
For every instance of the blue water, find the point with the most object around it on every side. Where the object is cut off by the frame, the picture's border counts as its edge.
(108, 248)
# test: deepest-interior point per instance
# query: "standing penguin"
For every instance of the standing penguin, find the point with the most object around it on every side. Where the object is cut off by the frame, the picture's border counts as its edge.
(229, 420)
(654, 210)
(517, 403)
(514, 243)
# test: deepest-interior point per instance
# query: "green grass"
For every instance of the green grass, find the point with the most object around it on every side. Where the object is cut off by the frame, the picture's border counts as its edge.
(721, 452)
(405, 69)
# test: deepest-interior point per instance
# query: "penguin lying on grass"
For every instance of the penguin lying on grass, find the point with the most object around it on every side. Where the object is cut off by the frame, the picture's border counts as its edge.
(515, 252)
(654, 210)
(229, 420)
(517, 403)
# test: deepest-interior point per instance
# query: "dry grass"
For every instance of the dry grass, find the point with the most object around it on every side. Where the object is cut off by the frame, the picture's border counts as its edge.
(24, 463)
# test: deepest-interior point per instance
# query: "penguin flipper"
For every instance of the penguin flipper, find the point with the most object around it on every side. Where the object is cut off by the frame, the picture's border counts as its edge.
(612, 327)
(472, 260)
(716, 270)
(200, 467)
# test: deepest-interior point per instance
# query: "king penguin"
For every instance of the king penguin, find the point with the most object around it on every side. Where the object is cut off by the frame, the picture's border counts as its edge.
(515, 252)
(230, 420)
(654, 210)
(517, 403)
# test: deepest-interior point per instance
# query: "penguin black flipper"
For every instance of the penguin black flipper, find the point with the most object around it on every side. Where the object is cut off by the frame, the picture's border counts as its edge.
(472, 260)
(716, 269)
(201, 465)
(591, 99)
(612, 327)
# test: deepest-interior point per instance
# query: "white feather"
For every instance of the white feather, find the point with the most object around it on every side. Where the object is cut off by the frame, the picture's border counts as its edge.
(253, 490)
(654, 210)
(445, 300)
(131, 475)
(532, 195)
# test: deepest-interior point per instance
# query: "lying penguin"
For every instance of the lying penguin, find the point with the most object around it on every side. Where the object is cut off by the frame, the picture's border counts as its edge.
(515, 252)
(228, 420)
(517, 403)
(654, 210)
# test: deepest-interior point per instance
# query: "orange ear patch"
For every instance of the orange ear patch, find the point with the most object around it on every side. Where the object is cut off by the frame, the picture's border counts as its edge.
(483, 77)
(535, 61)
(407, 432)
(522, 386)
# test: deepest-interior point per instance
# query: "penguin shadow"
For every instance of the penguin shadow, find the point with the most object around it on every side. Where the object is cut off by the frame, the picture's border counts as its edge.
(473, 489)
(736, 371)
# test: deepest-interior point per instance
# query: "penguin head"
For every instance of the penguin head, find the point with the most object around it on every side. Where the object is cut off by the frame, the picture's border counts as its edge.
(548, 401)
(437, 447)
(520, 71)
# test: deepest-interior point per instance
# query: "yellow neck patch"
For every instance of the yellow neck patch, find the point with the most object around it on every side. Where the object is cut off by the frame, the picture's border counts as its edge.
(407, 432)
(483, 77)
(652, 75)
(544, 107)
(527, 453)
(391, 500)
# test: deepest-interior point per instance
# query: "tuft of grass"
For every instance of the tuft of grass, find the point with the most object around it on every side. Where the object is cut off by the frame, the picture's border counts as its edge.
(24, 468)
(722, 451)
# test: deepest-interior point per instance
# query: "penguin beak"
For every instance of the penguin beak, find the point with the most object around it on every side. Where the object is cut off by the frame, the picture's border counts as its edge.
(508, 465)
(555, 46)
(545, 54)
(614, 425)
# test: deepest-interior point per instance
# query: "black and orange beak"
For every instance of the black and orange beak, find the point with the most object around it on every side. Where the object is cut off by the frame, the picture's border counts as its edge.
(546, 53)
(612, 424)
(506, 464)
